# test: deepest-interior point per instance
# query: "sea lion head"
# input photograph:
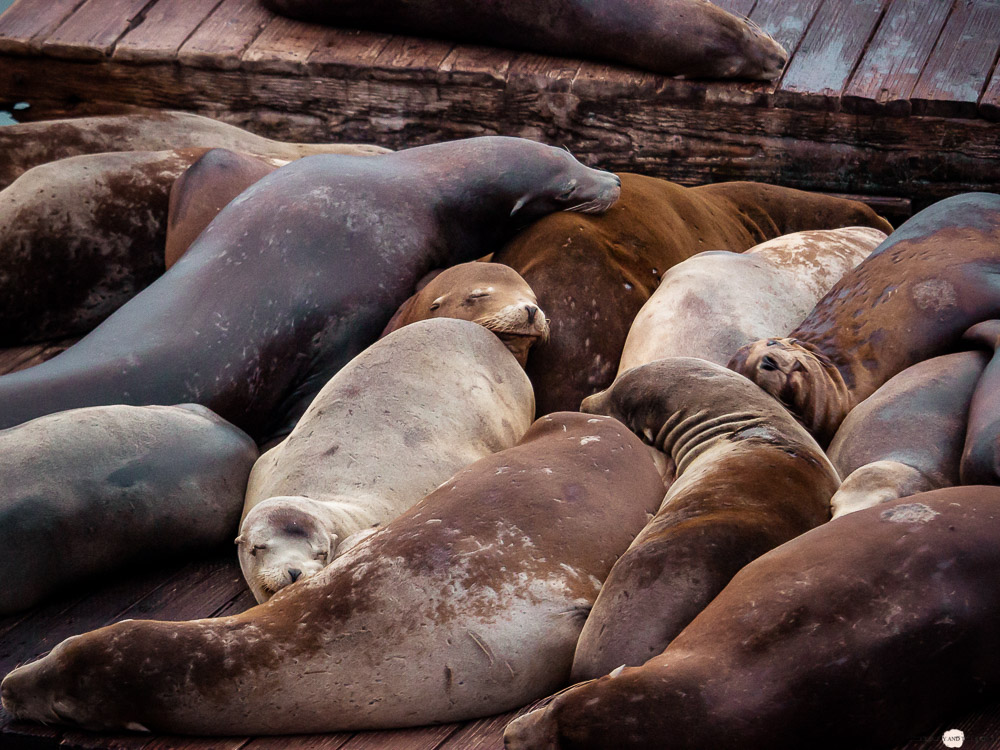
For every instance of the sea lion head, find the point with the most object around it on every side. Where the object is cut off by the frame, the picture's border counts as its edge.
(876, 483)
(736, 47)
(490, 294)
(283, 540)
(800, 377)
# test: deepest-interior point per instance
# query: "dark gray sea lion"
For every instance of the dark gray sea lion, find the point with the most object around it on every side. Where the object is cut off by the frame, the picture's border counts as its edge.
(691, 38)
(907, 437)
(87, 491)
(467, 605)
(910, 300)
(749, 478)
(299, 274)
(32, 143)
(863, 633)
(980, 463)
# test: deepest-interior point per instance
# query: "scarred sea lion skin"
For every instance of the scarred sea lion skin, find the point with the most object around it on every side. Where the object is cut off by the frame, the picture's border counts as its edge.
(467, 605)
(863, 633)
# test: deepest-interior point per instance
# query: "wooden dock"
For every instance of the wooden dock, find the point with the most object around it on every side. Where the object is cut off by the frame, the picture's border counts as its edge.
(897, 100)
(894, 100)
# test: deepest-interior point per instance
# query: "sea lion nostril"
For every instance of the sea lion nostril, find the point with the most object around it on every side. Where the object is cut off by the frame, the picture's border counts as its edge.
(531, 310)
(768, 363)
(294, 574)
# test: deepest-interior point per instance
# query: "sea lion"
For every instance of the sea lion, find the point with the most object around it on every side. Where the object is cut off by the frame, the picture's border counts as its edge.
(490, 294)
(87, 491)
(80, 237)
(688, 38)
(862, 633)
(467, 605)
(980, 461)
(29, 144)
(714, 303)
(593, 274)
(398, 420)
(299, 274)
(749, 478)
(910, 300)
(204, 189)
(907, 437)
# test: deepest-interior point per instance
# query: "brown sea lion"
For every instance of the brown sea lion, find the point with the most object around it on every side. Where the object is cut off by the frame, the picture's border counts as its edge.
(714, 303)
(467, 605)
(910, 300)
(592, 274)
(862, 633)
(80, 237)
(980, 462)
(690, 38)
(749, 478)
(438, 395)
(490, 294)
(88, 491)
(907, 437)
(29, 144)
(300, 274)
(204, 189)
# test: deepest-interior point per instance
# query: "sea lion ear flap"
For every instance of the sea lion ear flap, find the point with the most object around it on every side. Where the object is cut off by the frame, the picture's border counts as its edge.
(401, 318)
(521, 203)
(239, 540)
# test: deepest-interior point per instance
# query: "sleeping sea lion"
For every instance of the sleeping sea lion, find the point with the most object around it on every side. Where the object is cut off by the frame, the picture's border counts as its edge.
(910, 300)
(467, 605)
(490, 294)
(299, 274)
(592, 274)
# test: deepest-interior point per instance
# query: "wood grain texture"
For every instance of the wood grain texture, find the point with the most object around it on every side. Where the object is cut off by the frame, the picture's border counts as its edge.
(989, 104)
(164, 28)
(91, 32)
(896, 56)
(960, 65)
(222, 38)
(27, 23)
(786, 22)
(736, 7)
(407, 58)
(346, 54)
(284, 46)
(419, 738)
(828, 54)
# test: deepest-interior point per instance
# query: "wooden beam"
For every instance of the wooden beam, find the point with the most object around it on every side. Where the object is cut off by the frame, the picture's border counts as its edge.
(91, 32)
(25, 24)
(164, 28)
(222, 38)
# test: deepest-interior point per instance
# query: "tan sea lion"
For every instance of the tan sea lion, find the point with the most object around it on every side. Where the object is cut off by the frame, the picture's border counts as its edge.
(910, 300)
(980, 462)
(688, 38)
(29, 144)
(490, 294)
(907, 437)
(863, 633)
(592, 274)
(88, 491)
(393, 424)
(749, 478)
(467, 605)
(299, 274)
(204, 189)
(714, 303)
(80, 237)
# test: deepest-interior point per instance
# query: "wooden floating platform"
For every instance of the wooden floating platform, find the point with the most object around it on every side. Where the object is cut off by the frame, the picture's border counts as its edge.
(897, 101)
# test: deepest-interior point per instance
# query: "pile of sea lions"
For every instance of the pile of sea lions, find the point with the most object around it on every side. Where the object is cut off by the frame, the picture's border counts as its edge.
(487, 424)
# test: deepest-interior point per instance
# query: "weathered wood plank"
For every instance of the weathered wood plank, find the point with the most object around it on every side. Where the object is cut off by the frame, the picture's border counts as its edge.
(225, 35)
(481, 66)
(829, 52)
(411, 59)
(786, 22)
(333, 741)
(163, 30)
(91, 32)
(283, 47)
(892, 64)
(11, 358)
(736, 7)
(27, 23)
(419, 738)
(45, 353)
(486, 733)
(989, 104)
(960, 65)
(344, 53)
